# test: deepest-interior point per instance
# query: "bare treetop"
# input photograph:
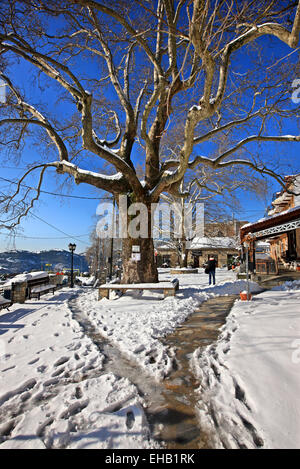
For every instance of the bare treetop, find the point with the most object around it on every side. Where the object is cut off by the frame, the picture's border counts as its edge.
(133, 78)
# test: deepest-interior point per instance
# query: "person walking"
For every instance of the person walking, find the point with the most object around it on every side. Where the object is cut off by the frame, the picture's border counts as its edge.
(211, 267)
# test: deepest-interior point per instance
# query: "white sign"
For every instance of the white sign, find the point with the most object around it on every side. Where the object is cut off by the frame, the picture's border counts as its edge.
(135, 256)
(136, 248)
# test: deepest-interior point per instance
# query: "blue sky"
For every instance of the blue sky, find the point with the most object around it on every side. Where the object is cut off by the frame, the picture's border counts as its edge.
(62, 220)
(74, 217)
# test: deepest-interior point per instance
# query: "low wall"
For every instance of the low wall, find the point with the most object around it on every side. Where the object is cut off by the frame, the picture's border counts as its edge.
(183, 271)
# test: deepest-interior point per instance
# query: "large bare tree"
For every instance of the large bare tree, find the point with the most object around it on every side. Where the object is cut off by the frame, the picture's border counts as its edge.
(126, 74)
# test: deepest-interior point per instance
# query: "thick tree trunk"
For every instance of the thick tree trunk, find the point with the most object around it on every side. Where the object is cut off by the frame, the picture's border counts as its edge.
(184, 253)
(138, 260)
(185, 259)
(182, 259)
(143, 270)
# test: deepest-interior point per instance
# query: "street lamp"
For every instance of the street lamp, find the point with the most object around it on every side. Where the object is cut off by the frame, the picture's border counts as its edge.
(72, 248)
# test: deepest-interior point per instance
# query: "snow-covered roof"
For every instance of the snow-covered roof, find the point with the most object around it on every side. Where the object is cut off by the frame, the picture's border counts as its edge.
(214, 242)
(247, 224)
(164, 246)
(293, 176)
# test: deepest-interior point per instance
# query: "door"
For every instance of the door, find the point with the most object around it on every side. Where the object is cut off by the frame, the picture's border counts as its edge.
(292, 246)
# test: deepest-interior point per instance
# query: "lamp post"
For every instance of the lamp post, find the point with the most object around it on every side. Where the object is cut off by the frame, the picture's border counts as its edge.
(72, 248)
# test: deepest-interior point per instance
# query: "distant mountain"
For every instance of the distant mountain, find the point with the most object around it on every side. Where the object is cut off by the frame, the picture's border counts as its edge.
(26, 261)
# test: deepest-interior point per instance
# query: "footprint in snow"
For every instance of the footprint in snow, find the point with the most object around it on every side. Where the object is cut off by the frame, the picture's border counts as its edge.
(32, 362)
(25, 396)
(7, 369)
(130, 419)
(61, 361)
(58, 372)
(6, 356)
(50, 382)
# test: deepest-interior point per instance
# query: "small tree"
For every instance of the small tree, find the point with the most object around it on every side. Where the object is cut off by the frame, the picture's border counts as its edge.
(99, 254)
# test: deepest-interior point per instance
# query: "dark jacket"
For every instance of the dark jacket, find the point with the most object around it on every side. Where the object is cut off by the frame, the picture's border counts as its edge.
(211, 265)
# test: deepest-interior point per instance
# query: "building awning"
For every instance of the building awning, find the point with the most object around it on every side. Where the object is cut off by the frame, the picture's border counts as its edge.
(274, 225)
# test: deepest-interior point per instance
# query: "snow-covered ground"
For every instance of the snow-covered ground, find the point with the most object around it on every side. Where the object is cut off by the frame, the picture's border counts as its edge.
(55, 392)
(52, 391)
(136, 321)
(250, 379)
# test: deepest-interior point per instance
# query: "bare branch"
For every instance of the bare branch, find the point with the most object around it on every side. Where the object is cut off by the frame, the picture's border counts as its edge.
(40, 120)
(134, 34)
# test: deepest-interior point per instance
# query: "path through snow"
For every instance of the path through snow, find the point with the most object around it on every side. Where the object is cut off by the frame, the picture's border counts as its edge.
(250, 380)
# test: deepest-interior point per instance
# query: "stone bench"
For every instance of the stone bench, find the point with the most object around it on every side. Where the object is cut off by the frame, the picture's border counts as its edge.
(39, 290)
(168, 288)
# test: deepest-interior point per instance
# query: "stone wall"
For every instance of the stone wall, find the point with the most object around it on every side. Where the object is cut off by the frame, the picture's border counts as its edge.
(18, 292)
(220, 254)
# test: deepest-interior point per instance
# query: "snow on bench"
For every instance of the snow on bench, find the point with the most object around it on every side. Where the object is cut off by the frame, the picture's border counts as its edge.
(4, 303)
(169, 288)
(41, 289)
